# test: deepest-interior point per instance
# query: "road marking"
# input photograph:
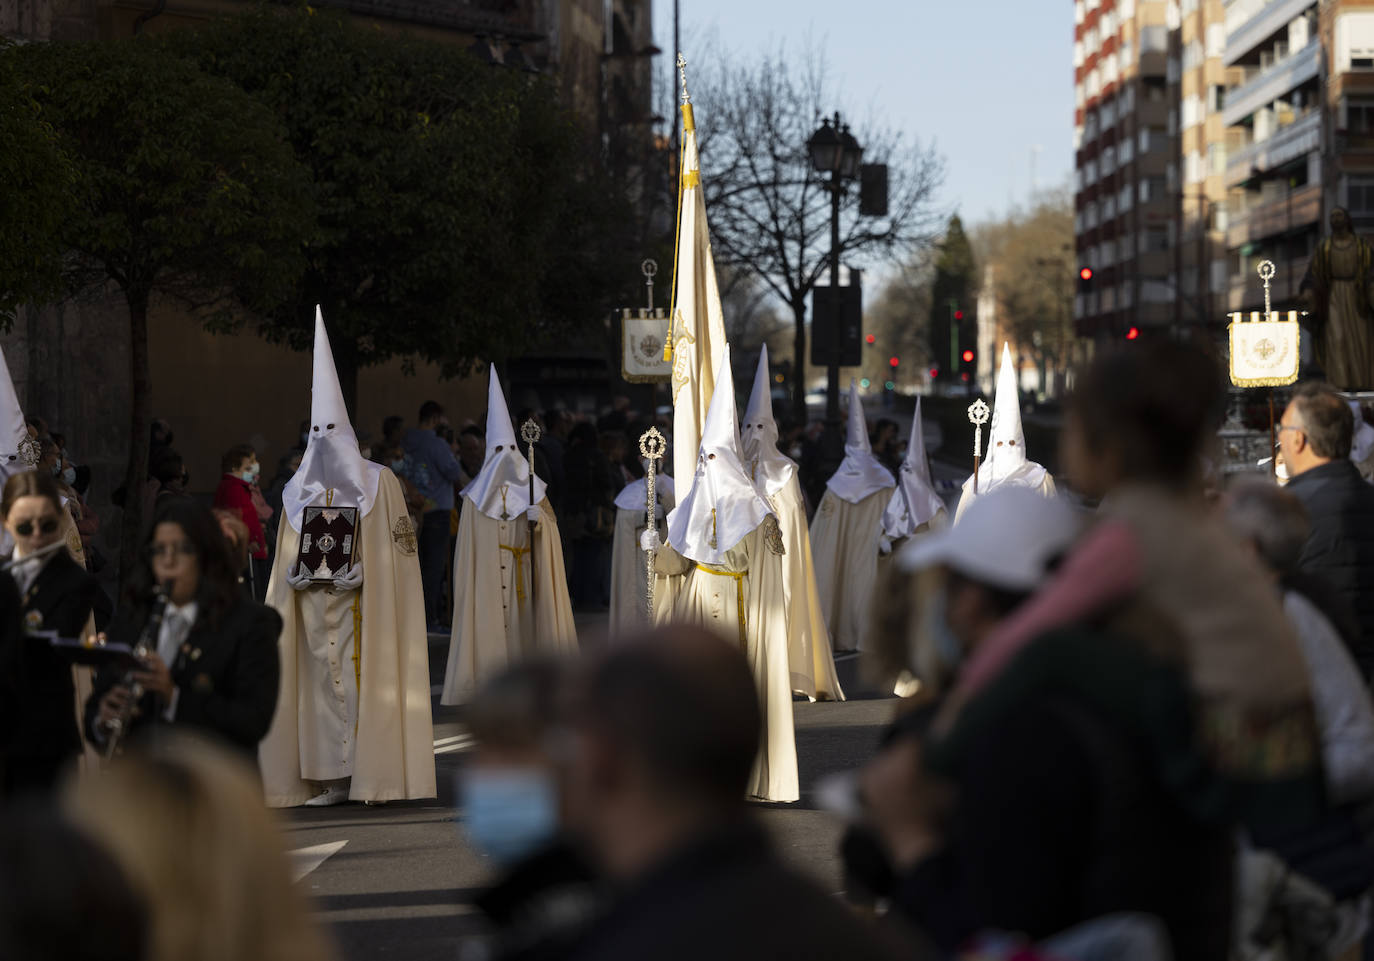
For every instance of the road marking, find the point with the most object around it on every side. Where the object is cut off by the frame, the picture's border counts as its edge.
(305, 860)
(456, 745)
(441, 741)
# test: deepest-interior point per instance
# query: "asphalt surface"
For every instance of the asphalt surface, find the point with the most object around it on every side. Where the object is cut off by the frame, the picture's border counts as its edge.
(397, 881)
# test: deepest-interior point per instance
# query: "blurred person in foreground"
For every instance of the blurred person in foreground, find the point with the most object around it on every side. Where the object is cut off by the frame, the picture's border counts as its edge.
(1315, 436)
(63, 897)
(1162, 566)
(1055, 802)
(214, 665)
(512, 795)
(663, 736)
(184, 819)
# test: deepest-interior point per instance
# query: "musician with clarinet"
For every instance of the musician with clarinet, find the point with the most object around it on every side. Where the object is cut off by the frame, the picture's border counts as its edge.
(208, 654)
(57, 596)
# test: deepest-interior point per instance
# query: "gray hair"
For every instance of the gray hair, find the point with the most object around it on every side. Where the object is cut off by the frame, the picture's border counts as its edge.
(1271, 518)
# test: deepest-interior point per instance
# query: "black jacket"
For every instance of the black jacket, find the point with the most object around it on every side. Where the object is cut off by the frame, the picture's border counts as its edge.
(728, 898)
(1061, 820)
(1340, 547)
(61, 598)
(227, 676)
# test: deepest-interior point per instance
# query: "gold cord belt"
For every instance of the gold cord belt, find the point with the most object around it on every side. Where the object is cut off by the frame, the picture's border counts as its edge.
(739, 591)
(357, 653)
(519, 553)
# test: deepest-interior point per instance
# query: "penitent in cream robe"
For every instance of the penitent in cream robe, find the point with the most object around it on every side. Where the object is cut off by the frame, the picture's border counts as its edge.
(746, 606)
(493, 622)
(354, 700)
(809, 654)
(844, 543)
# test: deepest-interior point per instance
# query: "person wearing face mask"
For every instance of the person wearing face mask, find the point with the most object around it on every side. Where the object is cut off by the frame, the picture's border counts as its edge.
(1060, 799)
(353, 719)
(1006, 462)
(846, 534)
(510, 590)
(511, 800)
(214, 666)
(235, 492)
(57, 595)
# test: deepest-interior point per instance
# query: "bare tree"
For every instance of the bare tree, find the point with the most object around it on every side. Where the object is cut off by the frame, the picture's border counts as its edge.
(769, 212)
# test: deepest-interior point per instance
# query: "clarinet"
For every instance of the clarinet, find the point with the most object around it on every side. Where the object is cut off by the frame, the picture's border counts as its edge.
(119, 727)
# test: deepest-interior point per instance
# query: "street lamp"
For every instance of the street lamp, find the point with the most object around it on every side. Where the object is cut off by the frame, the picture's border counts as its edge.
(834, 151)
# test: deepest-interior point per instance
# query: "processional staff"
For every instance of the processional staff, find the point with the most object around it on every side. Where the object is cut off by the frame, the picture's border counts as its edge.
(978, 416)
(530, 433)
(652, 447)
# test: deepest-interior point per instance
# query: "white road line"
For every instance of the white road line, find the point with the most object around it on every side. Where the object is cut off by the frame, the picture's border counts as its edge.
(441, 741)
(456, 747)
(305, 860)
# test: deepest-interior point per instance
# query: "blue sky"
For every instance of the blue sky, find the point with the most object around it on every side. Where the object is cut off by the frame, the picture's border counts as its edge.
(989, 80)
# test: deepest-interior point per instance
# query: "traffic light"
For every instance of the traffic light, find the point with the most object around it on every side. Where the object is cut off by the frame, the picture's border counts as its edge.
(864, 383)
(890, 385)
(1085, 279)
(893, 361)
(1132, 333)
(967, 355)
(934, 372)
(958, 315)
(870, 340)
(964, 377)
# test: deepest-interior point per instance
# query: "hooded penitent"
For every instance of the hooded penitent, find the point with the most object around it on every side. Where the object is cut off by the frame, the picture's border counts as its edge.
(18, 451)
(861, 474)
(914, 502)
(723, 506)
(769, 467)
(332, 461)
(501, 489)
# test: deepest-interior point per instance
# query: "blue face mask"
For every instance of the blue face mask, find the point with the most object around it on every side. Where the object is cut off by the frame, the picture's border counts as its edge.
(508, 813)
(397, 466)
(949, 650)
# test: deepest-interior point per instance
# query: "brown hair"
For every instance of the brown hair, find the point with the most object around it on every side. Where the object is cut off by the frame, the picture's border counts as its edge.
(235, 456)
(30, 483)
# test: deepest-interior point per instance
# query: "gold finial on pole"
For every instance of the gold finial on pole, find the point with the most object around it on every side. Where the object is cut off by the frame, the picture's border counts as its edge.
(1266, 274)
(682, 73)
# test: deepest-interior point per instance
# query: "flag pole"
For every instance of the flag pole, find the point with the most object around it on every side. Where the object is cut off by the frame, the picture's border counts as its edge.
(652, 447)
(529, 433)
(978, 413)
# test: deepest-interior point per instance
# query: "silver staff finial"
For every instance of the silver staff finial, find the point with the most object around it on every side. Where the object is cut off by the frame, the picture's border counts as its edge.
(649, 269)
(1266, 273)
(682, 72)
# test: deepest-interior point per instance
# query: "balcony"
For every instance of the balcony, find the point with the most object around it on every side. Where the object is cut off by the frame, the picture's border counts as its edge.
(1296, 140)
(1300, 209)
(1269, 85)
(1251, 22)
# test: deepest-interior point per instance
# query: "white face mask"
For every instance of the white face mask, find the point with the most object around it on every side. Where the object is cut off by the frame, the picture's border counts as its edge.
(69, 476)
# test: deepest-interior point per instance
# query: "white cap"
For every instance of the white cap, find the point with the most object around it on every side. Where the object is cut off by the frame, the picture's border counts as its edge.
(501, 489)
(1006, 539)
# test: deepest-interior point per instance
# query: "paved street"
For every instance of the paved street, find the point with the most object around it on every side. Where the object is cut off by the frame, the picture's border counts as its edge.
(397, 881)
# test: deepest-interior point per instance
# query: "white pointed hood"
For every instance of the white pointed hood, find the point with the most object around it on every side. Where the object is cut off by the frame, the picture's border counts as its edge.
(332, 462)
(723, 506)
(914, 502)
(1005, 461)
(634, 496)
(502, 486)
(769, 467)
(861, 474)
(18, 451)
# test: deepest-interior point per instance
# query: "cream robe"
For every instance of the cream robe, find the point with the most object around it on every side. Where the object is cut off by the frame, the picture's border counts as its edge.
(493, 625)
(325, 727)
(809, 654)
(844, 542)
(717, 601)
(628, 574)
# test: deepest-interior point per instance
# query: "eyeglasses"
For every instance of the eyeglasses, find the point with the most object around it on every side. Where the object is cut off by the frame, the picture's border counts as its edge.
(1284, 427)
(171, 551)
(47, 525)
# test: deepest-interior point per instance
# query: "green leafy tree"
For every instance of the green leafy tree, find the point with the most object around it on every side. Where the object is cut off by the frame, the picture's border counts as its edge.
(185, 188)
(954, 289)
(36, 179)
(461, 215)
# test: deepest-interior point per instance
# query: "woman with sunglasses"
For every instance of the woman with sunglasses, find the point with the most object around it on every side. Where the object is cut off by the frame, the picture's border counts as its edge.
(57, 595)
(214, 665)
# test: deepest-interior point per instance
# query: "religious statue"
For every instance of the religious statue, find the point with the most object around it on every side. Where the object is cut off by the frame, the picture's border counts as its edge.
(1341, 319)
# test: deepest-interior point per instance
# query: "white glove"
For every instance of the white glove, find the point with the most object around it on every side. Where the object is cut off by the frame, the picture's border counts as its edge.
(648, 540)
(352, 579)
(533, 514)
(297, 578)
(884, 545)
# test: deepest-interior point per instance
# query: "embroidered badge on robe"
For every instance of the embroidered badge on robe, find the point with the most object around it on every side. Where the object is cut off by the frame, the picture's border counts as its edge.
(404, 535)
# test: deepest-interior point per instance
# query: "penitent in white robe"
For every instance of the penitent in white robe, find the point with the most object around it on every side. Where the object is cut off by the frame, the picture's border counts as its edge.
(745, 605)
(493, 622)
(809, 654)
(844, 543)
(629, 606)
(370, 719)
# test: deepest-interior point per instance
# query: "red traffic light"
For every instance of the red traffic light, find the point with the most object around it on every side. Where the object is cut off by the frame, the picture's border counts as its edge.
(894, 361)
(958, 315)
(968, 356)
(870, 338)
(1133, 333)
(1085, 273)
(964, 377)
(934, 372)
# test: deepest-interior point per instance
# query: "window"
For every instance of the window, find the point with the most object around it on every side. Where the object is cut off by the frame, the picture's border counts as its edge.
(1126, 153)
(1216, 159)
(1193, 112)
(1359, 116)
(1193, 170)
(1127, 55)
(1354, 41)
(1216, 40)
(1216, 98)
(1359, 195)
(1154, 39)
(1192, 56)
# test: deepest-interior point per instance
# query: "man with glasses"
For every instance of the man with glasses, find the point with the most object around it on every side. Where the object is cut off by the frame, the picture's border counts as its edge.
(1314, 440)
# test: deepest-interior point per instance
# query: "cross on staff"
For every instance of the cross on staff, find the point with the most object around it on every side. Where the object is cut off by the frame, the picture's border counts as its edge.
(651, 447)
(530, 433)
(978, 414)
